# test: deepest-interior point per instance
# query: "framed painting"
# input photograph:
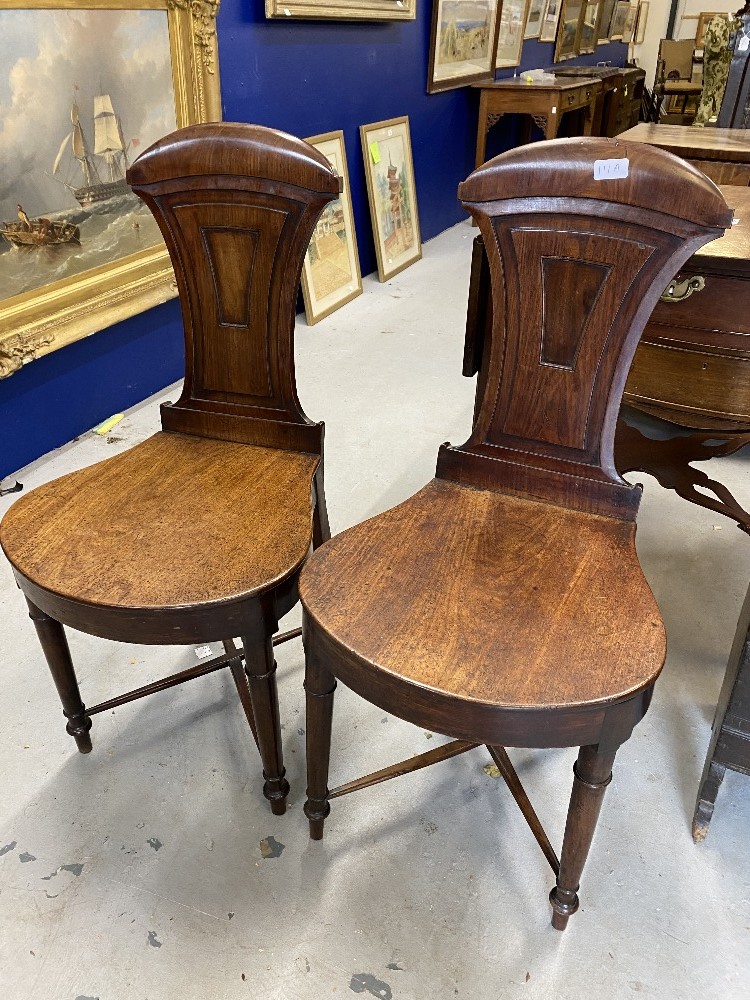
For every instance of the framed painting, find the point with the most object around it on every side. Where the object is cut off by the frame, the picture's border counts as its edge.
(549, 21)
(386, 148)
(606, 11)
(619, 18)
(513, 17)
(629, 26)
(640, 23)
(344, 10)
(568, 29)
(78, 250)
(703, 22)
(587, 38)
(330, 274)
(534, 19)
(462, 43)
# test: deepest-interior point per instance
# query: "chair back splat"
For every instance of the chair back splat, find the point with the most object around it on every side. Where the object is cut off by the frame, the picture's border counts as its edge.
(237, 225)
(577, 265)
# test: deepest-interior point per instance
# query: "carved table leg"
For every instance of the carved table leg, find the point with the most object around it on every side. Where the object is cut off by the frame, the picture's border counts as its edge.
(592, 773)
(320, 686)
(55, 645)
(260, 668)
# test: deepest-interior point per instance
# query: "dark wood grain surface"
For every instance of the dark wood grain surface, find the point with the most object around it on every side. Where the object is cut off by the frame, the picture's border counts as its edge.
(731, 144)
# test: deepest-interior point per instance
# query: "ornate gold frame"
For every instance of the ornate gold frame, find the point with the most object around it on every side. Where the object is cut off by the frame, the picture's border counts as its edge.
(40, 321)
(346, 10)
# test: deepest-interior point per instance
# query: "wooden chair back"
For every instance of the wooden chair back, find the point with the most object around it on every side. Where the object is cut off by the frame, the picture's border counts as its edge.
(675, 60)
(577, 265)
(237, 206)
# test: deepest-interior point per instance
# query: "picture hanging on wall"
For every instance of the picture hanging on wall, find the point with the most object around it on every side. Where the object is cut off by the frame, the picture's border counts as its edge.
(619, 18)
(343, 10)
(78, 250)
(330, 274)
(549, 21)
(386, 148)
(640, 23)
(629, 25)
(462, 43)
(587, 39)
(513, 15)
(606, 12)
(568, 29)
(534, 19)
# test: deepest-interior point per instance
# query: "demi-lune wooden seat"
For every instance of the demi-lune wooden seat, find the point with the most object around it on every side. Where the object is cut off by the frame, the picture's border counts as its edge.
(504, 603)
(197, 534)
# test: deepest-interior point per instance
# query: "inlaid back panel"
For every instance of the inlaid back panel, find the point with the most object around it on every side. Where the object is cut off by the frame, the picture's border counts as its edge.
(576, 267)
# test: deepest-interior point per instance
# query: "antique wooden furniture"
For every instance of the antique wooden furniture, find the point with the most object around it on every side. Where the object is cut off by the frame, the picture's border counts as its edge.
(618, 104)
(674, 77)
(735, 105)
(198, 534)
(723, 154)
(693, 363)
(504, 604)
(543, 103)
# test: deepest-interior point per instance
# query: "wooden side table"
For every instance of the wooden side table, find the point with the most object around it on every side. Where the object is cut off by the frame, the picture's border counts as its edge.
(723, 154)
(544, 103)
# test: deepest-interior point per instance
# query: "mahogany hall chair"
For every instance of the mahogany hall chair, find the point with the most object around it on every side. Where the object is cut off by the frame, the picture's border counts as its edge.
(504, 603)
(198, 533)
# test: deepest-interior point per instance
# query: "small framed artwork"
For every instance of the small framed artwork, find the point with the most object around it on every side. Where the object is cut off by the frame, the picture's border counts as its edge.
(640, 23)
(534, 19)
(344, 10)
(703, 21)
(330, 274)
(462, 43)
(606, 11)
(629, 27)
(587, 39)
(619, 18)
(386, 147)
(568, 29)
(549, 21)
(513, 16)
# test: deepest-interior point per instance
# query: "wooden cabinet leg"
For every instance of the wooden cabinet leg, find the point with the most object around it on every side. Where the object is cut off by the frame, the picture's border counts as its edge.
(55, 646)
(260, 668)
(320, 686)
(713, 775)
(592, 773)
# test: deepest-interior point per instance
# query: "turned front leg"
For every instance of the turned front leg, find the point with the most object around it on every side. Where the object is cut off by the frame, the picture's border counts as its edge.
(260, 668)
(57, 653)
(592, 772)
(320, 686)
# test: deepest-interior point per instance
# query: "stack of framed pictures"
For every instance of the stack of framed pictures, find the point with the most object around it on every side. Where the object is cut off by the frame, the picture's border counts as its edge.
(584, 24)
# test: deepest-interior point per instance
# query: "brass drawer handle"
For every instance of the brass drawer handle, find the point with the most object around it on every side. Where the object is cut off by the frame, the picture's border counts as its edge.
(571, 98)
(678, 291)
(588, 93)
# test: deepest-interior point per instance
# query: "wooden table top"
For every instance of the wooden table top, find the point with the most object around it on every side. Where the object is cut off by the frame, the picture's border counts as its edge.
(730, 144)
(734, 247)
(559, 83)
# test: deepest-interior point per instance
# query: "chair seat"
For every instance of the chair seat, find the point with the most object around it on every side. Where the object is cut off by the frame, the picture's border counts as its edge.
(175, 521)
(489, 598)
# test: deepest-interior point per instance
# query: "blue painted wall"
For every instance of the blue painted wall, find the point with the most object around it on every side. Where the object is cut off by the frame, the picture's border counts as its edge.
(305, 78)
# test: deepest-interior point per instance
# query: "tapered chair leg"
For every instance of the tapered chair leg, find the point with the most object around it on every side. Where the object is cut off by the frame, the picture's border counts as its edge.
(592, 773)
(713, 775)
(260, 668)
(55, 646)
(320, 686)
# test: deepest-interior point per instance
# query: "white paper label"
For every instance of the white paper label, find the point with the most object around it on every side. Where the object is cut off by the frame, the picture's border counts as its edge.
(609, 170)
(202, 652)
(744, 42)
(554, 110)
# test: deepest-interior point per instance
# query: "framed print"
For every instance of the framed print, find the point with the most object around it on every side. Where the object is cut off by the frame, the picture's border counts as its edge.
(87, 85)
(703, 22)
(619, 18)
(629, 25)
(513, 15)
(587, 38)
(330, 273)
(549, 21)
(640, 23)
(568, 28)
(386, 148)
(462, 43)
(534, 19)
(606, 11)
(346, 10)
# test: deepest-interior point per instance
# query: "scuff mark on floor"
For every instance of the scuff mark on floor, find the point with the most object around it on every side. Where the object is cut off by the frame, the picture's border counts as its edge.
(395, 966)
(25, 857)
(155, 843)
(82, 997)
(365, 982)
(153, 940)
(270, 847)
(8, 847)
(75, 869)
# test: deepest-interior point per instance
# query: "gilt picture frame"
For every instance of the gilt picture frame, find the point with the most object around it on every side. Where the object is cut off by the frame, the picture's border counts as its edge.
(587, 38)
(463, 39)
(342, 10)
(511, 28)
(391, 192)
(619, 18)
(606, 13)
(568, 30)
(330, 274)
(641, 20)
(550, 18)
(534, 19)
(73, 259)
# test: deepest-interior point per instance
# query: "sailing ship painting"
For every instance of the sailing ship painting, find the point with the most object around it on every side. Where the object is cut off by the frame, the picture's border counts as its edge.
(73, 116)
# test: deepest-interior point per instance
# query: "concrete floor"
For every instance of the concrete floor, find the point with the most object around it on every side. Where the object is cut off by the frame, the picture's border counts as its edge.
(137, 873)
